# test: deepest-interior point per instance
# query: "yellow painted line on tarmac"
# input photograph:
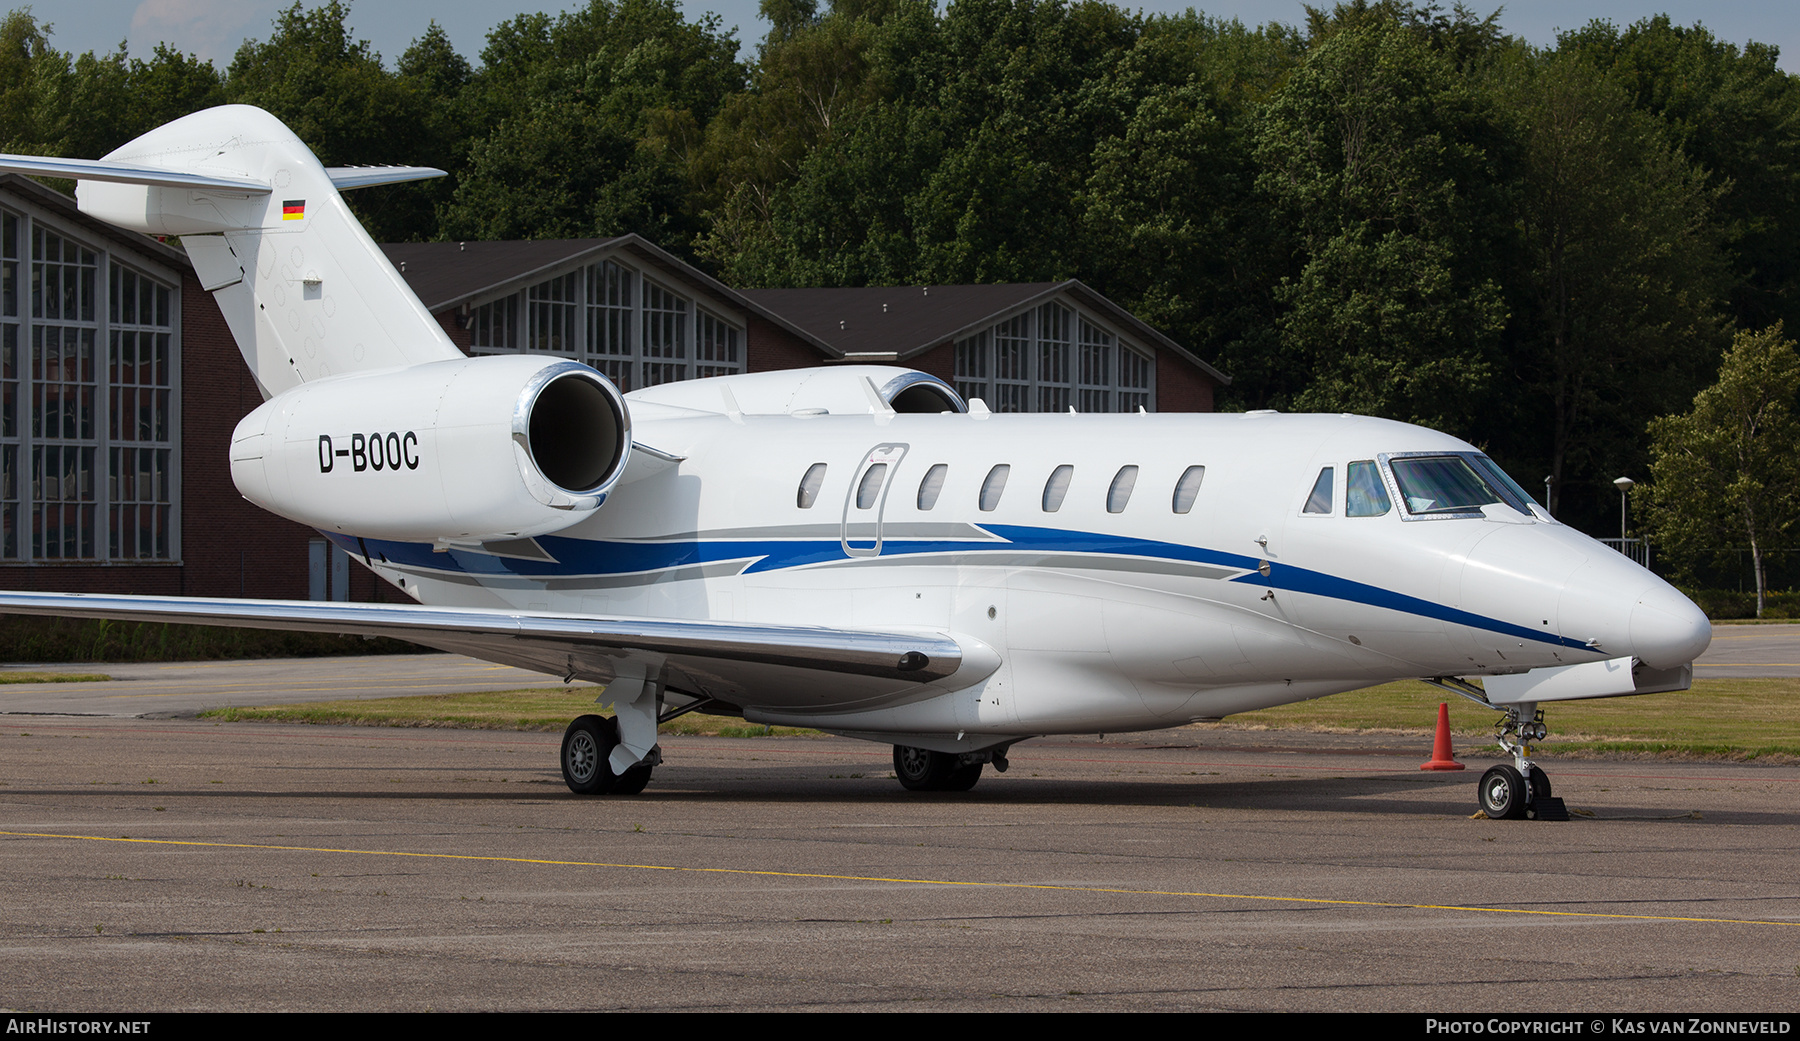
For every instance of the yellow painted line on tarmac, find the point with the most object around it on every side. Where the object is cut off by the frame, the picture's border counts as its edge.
(947, 883)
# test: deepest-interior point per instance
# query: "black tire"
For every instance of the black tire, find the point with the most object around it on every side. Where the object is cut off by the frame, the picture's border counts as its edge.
(922, 770)
(1540, 785)
(963, 778)
(1502, 794)
(585, 746)
(634, 780)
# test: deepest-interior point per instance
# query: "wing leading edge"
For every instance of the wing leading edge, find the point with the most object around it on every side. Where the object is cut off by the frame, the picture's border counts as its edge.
(797, 666)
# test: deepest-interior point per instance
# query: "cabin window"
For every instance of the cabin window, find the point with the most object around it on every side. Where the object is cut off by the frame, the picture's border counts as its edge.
(1120, 492)
(1188, 489)
(1320, 499)
(809, 486)
(1364, 494)
(993, 486)
(1057, 487)
(869, 488)
(932, 485)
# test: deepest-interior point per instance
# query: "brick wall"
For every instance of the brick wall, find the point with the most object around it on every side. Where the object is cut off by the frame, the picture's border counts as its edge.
(768, 346)
(1180, 387)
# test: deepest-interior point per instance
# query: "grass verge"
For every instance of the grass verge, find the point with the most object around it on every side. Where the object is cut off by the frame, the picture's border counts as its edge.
(53, 677)
(1738, 719)
(548, 708)
(1718, 719)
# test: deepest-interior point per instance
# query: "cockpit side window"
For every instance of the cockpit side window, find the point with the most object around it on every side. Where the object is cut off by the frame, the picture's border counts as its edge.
(1320, 499)
(1364, 494)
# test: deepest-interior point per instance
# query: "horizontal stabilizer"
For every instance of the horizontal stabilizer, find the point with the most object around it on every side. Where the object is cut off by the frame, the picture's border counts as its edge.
(347, 177)
(124, 173)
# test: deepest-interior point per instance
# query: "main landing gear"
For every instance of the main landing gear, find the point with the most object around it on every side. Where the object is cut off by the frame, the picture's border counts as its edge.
(615, 756)
(923, 770)
(1520, 789)
(587, 747)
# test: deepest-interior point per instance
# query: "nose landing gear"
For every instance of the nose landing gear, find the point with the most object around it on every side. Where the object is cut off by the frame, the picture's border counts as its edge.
(1521, 789)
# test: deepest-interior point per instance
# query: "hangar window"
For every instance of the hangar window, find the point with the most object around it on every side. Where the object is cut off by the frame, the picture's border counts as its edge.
(1188, 489)
(637, 332)
(88, 425)
(1051, 357)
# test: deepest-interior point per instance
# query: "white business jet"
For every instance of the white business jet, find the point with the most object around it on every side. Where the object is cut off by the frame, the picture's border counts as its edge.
(852, 548)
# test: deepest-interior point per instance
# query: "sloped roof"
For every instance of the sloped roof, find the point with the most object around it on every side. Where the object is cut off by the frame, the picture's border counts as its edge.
(166, 251)
(874, 322)
(899, 322)
(449, 274)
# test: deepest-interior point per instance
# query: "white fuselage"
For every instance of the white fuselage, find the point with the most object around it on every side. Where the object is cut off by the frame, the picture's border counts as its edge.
(1101, 620)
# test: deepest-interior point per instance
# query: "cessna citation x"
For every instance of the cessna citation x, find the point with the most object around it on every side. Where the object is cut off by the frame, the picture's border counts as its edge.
(853, 548)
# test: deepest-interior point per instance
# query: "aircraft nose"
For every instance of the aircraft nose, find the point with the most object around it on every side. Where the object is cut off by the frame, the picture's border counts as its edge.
(1667, 629)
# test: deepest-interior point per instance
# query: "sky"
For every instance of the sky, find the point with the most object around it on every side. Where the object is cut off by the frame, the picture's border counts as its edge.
(214, 29)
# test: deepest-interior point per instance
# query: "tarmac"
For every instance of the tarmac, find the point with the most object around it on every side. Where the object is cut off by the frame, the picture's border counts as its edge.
(179, 864)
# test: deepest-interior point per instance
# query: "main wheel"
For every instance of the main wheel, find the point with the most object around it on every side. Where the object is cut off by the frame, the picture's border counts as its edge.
(585, 745)
(1502, 793)
(633, 781)
(963, 778)
(922, 770)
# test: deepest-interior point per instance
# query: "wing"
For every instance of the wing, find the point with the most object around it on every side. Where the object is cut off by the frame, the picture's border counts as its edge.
(799, 667)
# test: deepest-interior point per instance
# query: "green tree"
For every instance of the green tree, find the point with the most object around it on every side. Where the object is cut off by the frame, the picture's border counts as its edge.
(332, 90)
(1619, 270)
(1733, 112)
(589, 122)
(1389, 168)
(1728, 470)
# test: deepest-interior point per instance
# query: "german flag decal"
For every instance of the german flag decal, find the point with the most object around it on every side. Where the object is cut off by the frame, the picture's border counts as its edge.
(293, 209)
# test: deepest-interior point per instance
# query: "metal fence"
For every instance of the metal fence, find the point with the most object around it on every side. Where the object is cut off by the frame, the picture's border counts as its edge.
(1637, 549)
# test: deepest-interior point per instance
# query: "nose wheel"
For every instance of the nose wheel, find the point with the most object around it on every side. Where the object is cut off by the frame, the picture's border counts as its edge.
(1521, 789)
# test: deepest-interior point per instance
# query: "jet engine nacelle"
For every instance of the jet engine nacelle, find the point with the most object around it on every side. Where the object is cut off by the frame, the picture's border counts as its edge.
(468, 449)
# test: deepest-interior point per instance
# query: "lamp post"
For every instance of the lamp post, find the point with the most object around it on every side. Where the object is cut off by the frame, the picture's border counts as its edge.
(1548, 507)
(1624, 485)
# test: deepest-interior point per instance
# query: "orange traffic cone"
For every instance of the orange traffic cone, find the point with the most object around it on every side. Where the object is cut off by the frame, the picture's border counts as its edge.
(1440, 749)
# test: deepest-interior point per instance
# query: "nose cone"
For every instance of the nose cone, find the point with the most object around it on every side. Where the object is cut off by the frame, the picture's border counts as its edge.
(1667, 629)
(1627, 610)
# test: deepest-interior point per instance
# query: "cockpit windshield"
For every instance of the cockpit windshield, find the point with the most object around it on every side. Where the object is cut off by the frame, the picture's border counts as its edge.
(1464, 482)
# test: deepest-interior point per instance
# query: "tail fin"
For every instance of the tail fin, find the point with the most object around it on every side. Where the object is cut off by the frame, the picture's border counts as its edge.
(303, 288)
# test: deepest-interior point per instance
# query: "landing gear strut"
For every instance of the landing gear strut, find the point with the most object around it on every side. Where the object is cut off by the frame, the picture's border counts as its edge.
(1523, 788)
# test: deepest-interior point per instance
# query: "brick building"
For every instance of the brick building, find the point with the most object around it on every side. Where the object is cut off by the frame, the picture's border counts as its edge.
(120, 384)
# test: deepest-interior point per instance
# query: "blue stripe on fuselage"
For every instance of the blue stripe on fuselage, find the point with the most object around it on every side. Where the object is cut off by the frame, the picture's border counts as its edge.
(582, 557)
